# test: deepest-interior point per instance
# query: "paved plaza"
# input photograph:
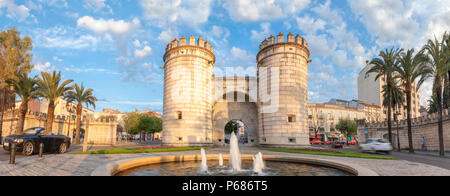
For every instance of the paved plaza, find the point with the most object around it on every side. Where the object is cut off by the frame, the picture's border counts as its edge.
(83, 165)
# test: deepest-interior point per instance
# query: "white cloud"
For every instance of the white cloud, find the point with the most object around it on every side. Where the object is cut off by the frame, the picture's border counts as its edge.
(43, 67)
(55, 58)
(14, 11)
(310, 25)
(255, 10)
(143, 53)
(187, 12)
(64, 37)
(167, 35)
(263, 34)
(102, 26)
(96, 5)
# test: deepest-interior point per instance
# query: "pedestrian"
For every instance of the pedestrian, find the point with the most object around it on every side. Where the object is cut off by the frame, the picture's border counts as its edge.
(422, 143)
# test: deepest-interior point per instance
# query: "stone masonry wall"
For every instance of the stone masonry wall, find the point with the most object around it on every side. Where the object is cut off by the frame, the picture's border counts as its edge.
(101, 131)
(426, 127)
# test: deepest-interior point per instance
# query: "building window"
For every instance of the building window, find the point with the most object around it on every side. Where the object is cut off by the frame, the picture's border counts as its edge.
(180, 115)
(291, 118)
(180, 139)
(292, 140)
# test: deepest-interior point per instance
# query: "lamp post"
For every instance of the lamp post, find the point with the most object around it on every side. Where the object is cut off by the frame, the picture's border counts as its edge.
(398, 135)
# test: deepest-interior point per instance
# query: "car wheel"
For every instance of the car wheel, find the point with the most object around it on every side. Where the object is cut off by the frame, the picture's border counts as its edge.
(62, 148)
(28, 149)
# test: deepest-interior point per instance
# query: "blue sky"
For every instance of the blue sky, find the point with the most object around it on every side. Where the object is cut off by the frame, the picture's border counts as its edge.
(116, 47)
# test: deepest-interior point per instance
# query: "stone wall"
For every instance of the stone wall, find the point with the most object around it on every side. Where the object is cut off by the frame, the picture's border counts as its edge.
(101, 131)
(423, 127)
(283, 91)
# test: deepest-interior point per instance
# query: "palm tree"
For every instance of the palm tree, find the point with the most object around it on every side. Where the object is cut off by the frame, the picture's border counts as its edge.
(438, 61)
(412, 68)
(80, 95)
(398, 100)
(26, 88)
(384, 67)
(51, 88)
(432, 105)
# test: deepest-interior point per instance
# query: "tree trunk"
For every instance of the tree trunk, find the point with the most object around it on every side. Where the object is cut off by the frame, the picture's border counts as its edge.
(438, 91)
(408, 106)
(389, 88)
(50, 117)
(22, 114)
(78, 124)
(2, 110)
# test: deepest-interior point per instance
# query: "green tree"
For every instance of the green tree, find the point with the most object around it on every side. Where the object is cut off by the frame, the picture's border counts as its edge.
(438, 62)
(432, 105)
(384, 67)
(51, 88)
(15, 57)
(347, 127)
(231, 127)
(26, 88)
(131, 123)
(81, 96)
(412, 68)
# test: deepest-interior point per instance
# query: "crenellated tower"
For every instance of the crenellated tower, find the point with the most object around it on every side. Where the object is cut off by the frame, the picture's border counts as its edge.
(188, 80)
(282, 100)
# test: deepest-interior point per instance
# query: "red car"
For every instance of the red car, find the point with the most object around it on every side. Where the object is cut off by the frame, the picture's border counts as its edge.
(328, 143)
(352, 142)
(316, 142)
(338, 144)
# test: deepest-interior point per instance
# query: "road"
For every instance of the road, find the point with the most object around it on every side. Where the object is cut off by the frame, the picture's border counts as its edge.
(419, 157)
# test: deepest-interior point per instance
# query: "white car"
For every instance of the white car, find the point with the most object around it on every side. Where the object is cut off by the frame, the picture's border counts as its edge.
(376, 145)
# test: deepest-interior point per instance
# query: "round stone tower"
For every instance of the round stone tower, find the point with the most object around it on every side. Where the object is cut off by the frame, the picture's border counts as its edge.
(283, 91)
(188, 80)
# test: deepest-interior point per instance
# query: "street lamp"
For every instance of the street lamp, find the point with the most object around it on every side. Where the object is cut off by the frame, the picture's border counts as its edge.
(398, 135)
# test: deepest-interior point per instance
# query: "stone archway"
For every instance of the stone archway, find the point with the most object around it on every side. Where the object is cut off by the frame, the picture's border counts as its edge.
(225, 111)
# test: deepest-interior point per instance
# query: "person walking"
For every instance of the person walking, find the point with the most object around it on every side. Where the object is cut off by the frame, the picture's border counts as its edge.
(422, 143)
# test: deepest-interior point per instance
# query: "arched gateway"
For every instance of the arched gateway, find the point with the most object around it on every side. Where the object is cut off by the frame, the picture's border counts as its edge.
(272, 105)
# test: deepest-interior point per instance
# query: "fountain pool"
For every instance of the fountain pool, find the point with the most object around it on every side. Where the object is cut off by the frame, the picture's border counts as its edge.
(191, 168)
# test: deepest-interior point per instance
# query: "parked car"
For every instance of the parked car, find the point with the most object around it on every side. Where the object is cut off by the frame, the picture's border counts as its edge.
(317, 142)
(376, 145)
(338, 144)
(328, 143)
(29, 141)
(352, 142)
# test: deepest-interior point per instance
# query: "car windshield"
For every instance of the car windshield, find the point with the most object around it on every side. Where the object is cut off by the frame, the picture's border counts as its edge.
(382, 141)
(32, 131)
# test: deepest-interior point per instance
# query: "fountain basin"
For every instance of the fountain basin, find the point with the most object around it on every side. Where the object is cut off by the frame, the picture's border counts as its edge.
(116, 167)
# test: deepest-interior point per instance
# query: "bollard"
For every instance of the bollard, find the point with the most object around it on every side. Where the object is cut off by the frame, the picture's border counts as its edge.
(12, 149)
(41, 149)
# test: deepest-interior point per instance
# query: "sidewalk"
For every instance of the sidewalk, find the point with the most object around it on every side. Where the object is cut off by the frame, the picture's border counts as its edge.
(428, 153)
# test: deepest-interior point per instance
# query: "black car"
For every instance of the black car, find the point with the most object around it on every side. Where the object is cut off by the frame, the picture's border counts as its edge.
(28, 142)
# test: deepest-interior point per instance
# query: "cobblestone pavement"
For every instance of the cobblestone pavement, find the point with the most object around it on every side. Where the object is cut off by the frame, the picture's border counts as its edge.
(83, 165)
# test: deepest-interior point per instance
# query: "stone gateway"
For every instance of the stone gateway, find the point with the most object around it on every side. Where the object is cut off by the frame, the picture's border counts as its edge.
(272, 106)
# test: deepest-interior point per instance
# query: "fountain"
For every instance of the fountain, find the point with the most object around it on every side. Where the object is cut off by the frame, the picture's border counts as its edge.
(258, 163)
(220, 160)
(237, 163)
(235, 154)
(204, 165)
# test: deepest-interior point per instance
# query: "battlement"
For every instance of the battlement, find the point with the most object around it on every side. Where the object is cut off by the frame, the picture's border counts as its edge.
(200, 42)
(423, 120)
(64, 118)
(291, 38)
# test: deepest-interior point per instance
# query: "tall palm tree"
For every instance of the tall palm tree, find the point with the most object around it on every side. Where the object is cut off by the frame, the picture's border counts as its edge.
(438, 61)
(384, 68)
(412, 68)
(398, 100)
(80, 95)
(51, 88)
(26, 88)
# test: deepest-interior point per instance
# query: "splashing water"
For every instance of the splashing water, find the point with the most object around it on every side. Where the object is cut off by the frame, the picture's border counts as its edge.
(235, 155)
(220, 160)
(203, 166)
(258, 163)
